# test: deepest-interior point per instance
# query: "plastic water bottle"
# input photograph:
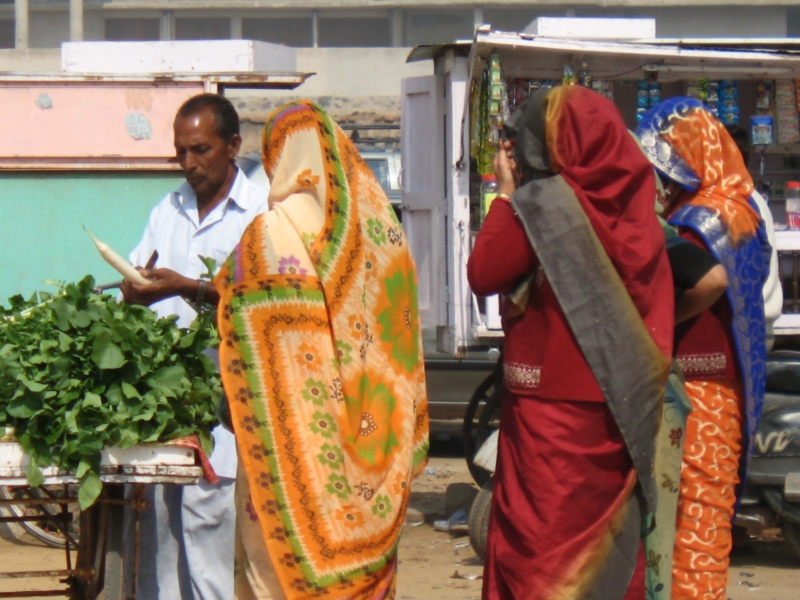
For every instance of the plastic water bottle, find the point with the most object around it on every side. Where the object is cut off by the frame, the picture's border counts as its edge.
(489, 193)
(793, 204)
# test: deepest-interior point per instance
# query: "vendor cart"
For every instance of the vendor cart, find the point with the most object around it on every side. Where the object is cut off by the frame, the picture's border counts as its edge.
(99, 536)
(441, 176)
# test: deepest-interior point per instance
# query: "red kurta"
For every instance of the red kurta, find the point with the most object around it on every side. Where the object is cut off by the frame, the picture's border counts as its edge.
(540, 354)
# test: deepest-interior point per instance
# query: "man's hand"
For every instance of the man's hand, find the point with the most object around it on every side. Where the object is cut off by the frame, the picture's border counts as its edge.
(166, 283)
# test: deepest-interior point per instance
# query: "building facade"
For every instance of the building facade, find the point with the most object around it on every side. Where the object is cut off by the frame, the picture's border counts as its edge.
(357, 48)
(363, 23)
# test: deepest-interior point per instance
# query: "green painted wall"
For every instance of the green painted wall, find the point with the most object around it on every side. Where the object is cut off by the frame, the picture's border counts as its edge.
(41, 218)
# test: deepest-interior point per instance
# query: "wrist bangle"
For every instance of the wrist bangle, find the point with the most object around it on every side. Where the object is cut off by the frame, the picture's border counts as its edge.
(201, 291)
(503, 197)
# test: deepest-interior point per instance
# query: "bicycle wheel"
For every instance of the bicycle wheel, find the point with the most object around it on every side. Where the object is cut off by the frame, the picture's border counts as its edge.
(489, 392)
(50, 528)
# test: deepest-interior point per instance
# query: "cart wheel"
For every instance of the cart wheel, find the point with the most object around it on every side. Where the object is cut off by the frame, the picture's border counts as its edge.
(490, 389)
(479, 519)
(791, 533)
(46, 530)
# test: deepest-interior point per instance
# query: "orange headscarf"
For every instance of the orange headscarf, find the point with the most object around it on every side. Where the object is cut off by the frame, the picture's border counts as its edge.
(689, 146)
(321, 357)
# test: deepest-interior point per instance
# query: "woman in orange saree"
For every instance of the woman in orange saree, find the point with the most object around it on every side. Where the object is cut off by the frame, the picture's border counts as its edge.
(321, 358)
(723, 350)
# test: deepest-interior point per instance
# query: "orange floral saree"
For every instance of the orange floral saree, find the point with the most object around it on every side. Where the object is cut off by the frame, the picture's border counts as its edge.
(321, 358)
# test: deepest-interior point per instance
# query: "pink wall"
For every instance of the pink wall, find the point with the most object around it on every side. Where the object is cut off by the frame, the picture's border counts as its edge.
(89, 123)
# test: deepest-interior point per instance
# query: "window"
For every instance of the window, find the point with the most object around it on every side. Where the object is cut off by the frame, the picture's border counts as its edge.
(202, 29)
(438, 26)
(7, 33)
(132, 30)
(368, 32)
(294, 32)
(380, 168)
(793, 22)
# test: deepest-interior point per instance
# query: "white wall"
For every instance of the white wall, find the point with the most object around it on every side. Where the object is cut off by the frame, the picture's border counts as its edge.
(30, 61)
(356, 71)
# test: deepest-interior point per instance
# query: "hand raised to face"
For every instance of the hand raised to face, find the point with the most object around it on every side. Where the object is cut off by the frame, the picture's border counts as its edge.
(505, 168)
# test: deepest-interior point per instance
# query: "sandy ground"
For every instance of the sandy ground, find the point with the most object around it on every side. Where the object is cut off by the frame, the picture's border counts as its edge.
(440, 566)
(27, 554)
(429, 559)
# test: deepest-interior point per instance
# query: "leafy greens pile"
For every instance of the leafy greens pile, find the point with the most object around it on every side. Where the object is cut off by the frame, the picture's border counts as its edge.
(80, 371)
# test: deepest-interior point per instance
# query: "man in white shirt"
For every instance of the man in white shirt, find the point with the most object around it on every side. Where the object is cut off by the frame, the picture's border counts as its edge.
(187, 542)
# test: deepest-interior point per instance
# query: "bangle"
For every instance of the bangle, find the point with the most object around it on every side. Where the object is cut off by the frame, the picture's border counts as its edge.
(201, 291)
(503, 197)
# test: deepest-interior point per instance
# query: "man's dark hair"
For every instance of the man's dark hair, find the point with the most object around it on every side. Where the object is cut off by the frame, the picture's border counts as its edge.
(742, 140)
(226, 117)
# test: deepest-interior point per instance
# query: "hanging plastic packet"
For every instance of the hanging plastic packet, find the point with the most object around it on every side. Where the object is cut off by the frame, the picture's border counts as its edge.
(475, 120)
(584, 77)
(654, 92)
(569, 77)
(764, 95)
(761, 130)
(495, 74)
(729, 102)
(797, 94)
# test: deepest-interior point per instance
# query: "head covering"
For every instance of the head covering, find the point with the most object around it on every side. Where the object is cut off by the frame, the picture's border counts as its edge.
(580, 135)
(690, 147)
(321, 357)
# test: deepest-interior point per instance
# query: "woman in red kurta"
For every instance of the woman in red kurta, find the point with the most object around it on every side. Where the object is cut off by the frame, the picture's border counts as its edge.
(588, 321)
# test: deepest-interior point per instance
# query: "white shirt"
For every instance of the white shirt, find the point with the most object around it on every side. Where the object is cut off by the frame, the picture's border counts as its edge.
(773, 293)
(175, 231)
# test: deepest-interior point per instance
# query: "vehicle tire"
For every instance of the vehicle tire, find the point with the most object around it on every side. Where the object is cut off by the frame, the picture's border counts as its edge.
(45, 530)
(791, 533)
(479, 519)
(489, 421)
(489, 389)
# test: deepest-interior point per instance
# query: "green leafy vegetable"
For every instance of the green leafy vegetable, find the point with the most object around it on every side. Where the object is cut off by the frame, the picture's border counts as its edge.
(80, 372)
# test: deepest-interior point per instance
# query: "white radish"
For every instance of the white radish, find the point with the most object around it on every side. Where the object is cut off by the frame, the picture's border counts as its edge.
(122, 266)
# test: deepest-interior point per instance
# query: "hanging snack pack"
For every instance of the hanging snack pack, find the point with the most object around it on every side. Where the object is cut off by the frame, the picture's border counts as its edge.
(788, 128)
(729, 102)
(712, 96)
(797, 93)
(761, 130)
(475, 120)
(647, 96)
(603, 88)
(764, 95)
(569, 77)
